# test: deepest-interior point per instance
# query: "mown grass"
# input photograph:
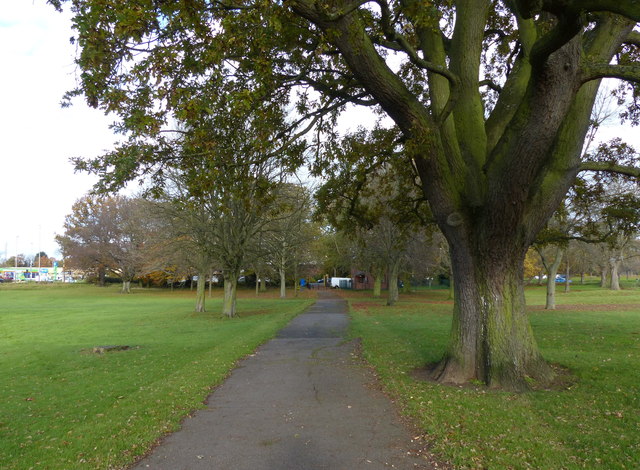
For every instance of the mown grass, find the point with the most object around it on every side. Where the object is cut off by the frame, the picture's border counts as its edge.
(64, 407)
(595, 423)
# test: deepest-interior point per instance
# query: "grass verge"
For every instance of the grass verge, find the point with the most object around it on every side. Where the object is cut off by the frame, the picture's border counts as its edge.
(64, 407)
(593, 424)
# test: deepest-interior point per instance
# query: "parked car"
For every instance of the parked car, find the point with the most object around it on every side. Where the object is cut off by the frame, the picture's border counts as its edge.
(561, 279)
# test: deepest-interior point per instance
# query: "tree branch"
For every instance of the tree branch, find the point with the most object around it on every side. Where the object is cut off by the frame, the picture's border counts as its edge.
(623, 72)
(633, 39)
(491, 84)
(611, 168)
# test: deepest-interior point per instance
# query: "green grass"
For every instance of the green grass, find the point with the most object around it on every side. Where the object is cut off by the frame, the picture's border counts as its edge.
(64, 407)
(593, 424)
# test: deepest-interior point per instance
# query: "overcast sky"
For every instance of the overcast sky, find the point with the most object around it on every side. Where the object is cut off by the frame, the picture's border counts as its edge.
(37, 136)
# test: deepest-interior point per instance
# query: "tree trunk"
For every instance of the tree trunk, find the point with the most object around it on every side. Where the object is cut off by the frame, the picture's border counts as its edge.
(102, 274)
(257, 283)
(392, 293)
(603, 277)
(200, 292)
(263, 284)
(126, 287)
(491, 338)
(377, 283)
(296, 281)
(552, 272)
(230, 290)
(210, 282)
(567, 287)
(283, 282)
(615, 278)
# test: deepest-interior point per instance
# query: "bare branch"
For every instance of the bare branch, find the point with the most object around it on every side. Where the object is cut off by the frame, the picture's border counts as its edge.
(611, 168)
(491, 84)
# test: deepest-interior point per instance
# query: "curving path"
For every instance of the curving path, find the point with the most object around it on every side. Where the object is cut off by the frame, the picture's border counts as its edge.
(300, 402)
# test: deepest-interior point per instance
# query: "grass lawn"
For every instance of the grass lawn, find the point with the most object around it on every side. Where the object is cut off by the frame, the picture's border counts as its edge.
(64, 407)
(595, 423)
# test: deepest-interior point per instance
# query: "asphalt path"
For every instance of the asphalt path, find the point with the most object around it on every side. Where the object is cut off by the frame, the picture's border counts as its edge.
(302, 401)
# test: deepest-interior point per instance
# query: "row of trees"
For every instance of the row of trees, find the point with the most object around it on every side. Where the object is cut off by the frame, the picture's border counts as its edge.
(174, 235)
(40, 259)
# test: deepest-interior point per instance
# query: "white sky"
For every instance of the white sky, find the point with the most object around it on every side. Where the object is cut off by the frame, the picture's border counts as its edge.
(37, 136)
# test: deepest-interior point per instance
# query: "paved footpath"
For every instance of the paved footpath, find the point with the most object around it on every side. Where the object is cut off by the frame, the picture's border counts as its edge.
(300, 402)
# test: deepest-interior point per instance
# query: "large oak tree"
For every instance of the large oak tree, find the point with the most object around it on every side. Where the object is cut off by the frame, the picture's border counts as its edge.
(492, 99)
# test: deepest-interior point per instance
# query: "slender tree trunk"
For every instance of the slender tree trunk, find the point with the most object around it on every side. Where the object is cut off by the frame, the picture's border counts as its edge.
(615, 277)
(283, 282)
(210, 282)
(257, 283)
(377, 282)
(567, 288)
(392, 293)
(582, 278)
(102, 274)
(491, 338)
(200, 292)
(230, 292)
(540, 277)
(263, 284)
(552, 272)
(296, 281)
(126, 287)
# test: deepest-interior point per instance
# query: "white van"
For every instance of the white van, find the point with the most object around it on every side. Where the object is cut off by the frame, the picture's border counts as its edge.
(341, 283)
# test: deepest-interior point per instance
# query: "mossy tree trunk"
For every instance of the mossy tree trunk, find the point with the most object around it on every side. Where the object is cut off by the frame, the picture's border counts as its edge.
(491, 338)
(377, 282)
(392, 292)
(230, 294)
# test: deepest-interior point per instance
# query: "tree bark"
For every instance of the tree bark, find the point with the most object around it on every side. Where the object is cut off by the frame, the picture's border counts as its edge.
(257, 283)
(200, 292)
(552, 272)
(491, 338)
(102, 274)
(126, 287)
(603, 276)
(283, 282)
(230, 292)
(392, 293)
(615, 277)
(296, 281)
(377, 282)
(263, 285)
